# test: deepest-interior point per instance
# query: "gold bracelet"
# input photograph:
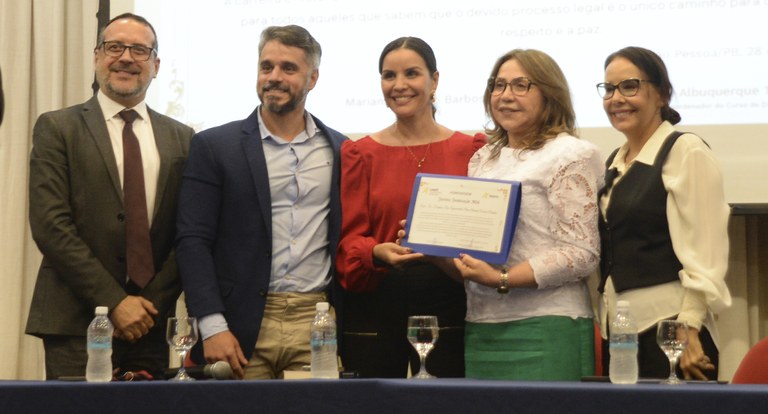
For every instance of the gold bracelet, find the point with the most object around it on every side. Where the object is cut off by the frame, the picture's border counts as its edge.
(503, 288)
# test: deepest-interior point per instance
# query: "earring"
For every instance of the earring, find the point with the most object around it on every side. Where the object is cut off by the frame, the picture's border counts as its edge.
(432, 96)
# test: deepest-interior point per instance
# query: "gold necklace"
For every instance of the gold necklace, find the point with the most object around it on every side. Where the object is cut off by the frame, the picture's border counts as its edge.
(419, 161)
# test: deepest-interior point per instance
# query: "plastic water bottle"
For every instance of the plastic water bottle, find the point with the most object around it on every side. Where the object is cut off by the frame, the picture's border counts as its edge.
(99, 367)
(323, 344)
(623, 346)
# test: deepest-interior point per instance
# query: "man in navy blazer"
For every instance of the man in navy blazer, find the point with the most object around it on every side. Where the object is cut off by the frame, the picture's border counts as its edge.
(259, 219)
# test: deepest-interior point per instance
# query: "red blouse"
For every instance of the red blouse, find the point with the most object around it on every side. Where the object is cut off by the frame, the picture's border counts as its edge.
(376, 185)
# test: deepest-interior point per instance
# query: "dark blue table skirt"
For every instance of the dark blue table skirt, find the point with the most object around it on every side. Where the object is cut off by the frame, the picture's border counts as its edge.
(378, 396)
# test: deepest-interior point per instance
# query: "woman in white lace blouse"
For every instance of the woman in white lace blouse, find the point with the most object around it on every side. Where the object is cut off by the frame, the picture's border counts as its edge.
(532, 319)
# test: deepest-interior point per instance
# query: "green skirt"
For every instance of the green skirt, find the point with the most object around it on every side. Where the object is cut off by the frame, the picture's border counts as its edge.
(546, 348)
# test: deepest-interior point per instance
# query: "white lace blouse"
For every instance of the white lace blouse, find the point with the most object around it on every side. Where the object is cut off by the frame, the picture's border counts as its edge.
(556, 231)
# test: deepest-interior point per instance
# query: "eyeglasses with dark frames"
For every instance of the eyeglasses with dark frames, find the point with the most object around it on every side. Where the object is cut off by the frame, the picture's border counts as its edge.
(519, 86)
(138, 52)
(627, 88)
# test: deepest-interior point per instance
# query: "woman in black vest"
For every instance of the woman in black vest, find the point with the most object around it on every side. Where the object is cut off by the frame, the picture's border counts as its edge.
(663, 220)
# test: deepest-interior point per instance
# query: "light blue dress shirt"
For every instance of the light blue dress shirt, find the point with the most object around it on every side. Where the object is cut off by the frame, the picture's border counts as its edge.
(300, 188)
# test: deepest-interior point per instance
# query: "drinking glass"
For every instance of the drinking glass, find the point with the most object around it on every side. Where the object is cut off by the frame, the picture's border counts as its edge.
(422, 334)
(672, 337)
(181, 334)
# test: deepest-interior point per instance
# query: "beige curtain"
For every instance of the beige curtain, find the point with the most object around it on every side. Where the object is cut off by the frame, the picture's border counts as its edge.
(46, 59)
(746, 321)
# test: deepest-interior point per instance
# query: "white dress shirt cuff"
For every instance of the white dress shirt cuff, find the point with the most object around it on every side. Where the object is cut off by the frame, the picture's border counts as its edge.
(694, 309)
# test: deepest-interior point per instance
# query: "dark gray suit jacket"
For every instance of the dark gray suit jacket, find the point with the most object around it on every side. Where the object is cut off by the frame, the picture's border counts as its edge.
(77, 218)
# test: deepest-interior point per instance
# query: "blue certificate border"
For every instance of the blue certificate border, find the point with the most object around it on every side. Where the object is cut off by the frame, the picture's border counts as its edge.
(513, 211)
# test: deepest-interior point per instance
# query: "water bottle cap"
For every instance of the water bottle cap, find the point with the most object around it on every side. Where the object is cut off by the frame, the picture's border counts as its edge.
(101, 310)
(322, 306)
(622, 304)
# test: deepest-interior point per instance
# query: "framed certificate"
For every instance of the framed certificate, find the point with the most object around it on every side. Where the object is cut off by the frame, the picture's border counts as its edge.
(450, 214)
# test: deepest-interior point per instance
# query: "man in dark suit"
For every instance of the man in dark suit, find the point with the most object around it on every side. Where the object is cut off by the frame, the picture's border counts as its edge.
(259, 218)
(78, 216)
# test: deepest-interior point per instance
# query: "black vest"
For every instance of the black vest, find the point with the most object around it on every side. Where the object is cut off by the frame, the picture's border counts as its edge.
(636, 248)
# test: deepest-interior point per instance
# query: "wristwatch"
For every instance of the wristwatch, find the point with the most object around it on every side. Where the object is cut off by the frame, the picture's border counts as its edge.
(503, 288)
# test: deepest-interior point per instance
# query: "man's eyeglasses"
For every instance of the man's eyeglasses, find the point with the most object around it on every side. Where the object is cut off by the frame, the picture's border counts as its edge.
(519, 86)
(627, 87)
(116, 49)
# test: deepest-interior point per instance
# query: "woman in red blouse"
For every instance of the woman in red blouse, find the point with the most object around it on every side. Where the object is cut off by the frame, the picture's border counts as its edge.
(385, 282)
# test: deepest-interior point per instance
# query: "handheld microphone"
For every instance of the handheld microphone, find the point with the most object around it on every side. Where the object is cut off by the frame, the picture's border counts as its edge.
(219, 370)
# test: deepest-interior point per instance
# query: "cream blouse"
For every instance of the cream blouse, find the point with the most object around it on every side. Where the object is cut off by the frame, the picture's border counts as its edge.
(698, 225)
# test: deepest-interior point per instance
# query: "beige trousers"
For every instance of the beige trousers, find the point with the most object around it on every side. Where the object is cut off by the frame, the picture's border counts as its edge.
(283, 343)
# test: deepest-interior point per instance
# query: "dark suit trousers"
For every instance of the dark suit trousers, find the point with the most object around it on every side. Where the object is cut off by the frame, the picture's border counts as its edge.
(67, 355)
(653, 363)
(375, 324)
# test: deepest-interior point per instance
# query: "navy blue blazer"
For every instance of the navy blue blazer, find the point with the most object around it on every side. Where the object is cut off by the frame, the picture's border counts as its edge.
(224, 227)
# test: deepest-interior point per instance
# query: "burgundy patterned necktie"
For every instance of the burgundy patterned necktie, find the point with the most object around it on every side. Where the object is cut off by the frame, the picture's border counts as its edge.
(138, 247)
